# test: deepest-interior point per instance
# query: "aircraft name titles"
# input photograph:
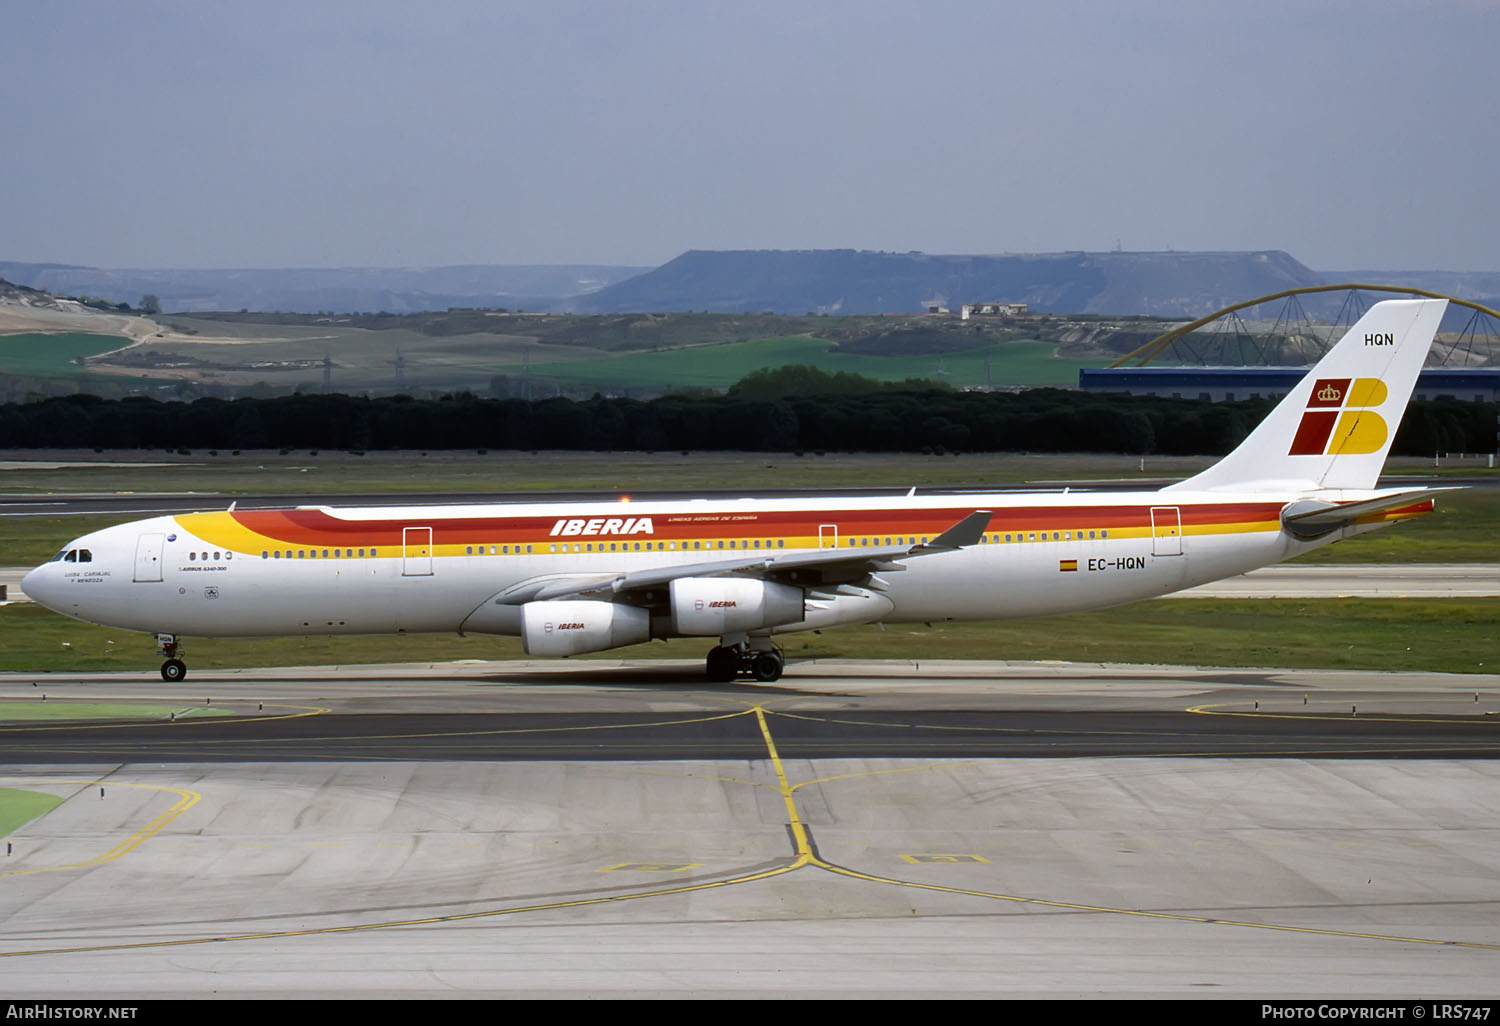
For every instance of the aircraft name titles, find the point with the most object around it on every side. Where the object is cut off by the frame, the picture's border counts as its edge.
(602, 525)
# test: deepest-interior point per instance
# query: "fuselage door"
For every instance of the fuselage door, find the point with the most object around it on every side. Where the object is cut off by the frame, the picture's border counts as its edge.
(828, 536)
(416, 552)
(148, 557)
(1166, 531)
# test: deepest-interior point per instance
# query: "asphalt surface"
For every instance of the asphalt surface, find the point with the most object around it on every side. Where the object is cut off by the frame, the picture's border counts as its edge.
(856, 830)
(802, 729)
(645, 710)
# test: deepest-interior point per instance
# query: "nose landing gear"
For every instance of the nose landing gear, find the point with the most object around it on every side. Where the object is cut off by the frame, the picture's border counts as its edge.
(173, 669)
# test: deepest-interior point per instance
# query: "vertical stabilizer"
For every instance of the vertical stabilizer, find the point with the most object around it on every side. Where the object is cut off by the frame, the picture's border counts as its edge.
(1334, 428)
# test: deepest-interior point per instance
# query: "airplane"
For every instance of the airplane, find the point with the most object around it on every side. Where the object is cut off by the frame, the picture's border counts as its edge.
(578, 577)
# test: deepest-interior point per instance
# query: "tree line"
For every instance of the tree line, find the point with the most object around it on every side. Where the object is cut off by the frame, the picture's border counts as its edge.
(943, 421)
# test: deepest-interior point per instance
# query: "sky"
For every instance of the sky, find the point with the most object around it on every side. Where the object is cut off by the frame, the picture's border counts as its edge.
(328, 133)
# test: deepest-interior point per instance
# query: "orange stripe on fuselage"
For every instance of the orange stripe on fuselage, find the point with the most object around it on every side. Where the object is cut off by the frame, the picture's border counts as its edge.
(251, 530)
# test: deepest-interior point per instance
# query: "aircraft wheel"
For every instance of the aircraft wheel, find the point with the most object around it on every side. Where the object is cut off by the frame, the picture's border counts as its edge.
(173, 670)
(766, 666)
(721, 664)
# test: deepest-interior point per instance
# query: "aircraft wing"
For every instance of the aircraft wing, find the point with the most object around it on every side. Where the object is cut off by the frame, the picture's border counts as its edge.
(825, 565)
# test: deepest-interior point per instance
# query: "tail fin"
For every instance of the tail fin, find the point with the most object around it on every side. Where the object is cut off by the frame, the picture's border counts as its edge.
(1334, 428)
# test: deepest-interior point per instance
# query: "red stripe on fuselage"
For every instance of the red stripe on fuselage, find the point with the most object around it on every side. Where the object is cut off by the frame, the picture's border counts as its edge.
(318, 527)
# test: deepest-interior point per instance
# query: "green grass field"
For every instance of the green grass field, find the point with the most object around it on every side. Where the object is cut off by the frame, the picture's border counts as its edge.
(719, 366)
(52, 354)
(17, 808)
(286, 356)
(1451, 635)
(41, 711)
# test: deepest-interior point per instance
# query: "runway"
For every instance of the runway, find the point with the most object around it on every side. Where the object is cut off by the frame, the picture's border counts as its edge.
(858, 829)
(661, 711)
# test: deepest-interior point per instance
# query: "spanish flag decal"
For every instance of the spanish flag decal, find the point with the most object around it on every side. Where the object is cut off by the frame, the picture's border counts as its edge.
(1067, 565)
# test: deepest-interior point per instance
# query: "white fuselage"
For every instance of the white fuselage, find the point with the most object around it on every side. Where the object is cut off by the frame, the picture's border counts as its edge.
(429, 568)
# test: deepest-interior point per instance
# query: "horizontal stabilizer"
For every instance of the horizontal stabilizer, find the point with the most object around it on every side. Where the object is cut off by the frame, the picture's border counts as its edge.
(1313, 518)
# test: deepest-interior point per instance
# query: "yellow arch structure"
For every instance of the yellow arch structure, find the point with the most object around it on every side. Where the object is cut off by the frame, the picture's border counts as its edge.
(1148, 352)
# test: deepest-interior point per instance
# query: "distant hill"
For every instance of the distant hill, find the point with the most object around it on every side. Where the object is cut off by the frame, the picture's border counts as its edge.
(319, 289)
(862, 282)
(783, 282)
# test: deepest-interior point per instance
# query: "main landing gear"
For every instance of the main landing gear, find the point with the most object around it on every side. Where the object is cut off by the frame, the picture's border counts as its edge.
(727, 662)
(174, 669)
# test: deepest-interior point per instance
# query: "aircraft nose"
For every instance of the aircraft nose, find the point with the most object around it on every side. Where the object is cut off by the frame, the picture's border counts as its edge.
(40, 587)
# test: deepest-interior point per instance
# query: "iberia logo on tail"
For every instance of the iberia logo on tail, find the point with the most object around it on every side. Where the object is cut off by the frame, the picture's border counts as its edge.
(1339, 418)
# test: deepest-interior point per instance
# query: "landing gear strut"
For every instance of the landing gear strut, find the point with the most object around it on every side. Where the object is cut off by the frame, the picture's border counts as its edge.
(727, 662)
(174, 669)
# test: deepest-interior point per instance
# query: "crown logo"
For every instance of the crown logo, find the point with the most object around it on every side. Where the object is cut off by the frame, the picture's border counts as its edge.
(1328, 394)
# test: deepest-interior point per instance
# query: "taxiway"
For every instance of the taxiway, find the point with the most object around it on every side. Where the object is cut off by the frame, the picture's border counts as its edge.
(870, 829)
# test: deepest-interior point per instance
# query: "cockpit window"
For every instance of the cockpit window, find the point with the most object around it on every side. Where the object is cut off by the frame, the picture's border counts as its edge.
(85, 556)
(71, 557)
(58, 557)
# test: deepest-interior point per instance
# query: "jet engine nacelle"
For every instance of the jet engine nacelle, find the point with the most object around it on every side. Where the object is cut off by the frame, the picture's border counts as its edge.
(713, 606)
(564, 628)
